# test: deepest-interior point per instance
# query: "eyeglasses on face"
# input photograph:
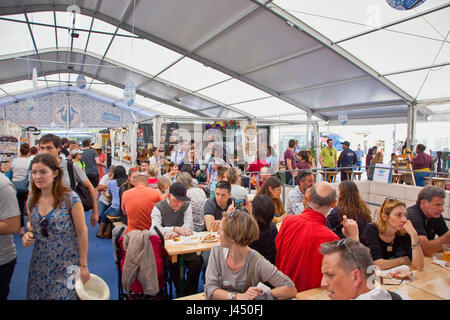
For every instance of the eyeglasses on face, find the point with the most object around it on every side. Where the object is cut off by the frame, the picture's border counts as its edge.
(341, 243)
(44, 226)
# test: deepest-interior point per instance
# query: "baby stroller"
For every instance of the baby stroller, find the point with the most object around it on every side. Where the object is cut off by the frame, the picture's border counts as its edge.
(136, 290)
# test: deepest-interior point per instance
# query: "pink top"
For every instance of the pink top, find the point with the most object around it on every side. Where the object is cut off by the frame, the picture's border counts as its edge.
(101, 169)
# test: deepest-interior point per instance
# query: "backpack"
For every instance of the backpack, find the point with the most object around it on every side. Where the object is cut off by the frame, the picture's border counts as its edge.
(80, 189)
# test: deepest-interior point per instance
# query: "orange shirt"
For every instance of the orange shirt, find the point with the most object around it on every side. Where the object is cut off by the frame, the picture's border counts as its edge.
(137, 204)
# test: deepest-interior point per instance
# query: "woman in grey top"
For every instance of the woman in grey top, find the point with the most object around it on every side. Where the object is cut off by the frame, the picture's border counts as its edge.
(234, 270)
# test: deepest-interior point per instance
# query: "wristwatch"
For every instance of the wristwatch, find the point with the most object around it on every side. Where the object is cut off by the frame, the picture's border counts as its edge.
(415, 245)
(231, 296)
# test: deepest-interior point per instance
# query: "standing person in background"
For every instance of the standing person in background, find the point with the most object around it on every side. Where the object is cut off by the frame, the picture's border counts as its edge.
(64, 146)
(289, 160)
(270, 158)
(377, 159)
(90, 158)
(33, 152)
(359, 156)
(328, 156)
(58, 231)
(101, 159)
(370, 154)
(304, 161)
(421, 165)
(347, 159)
(9, 225)
(75, 156)
(19, 168)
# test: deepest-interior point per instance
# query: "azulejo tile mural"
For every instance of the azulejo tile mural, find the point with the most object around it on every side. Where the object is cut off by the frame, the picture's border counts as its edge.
(63, 110)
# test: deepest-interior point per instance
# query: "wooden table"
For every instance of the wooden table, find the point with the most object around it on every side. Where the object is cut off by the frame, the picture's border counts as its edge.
(197, 296)
(397, 178)
(438, 182)
(352, 175)
(431, 283)
(178, 249)
(331, 176)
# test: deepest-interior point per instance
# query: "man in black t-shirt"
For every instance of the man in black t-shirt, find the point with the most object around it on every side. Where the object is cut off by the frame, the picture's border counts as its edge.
(426, 217)
(216, 206)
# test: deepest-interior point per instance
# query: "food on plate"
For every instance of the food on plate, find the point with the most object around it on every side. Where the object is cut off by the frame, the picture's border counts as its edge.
(210, 238)
(400, 275)
(176, 239)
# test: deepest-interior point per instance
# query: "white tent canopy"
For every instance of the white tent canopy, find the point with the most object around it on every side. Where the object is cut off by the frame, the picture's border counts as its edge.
(235, 58)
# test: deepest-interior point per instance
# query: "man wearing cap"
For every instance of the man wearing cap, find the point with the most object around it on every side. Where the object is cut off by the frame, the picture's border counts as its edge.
(91, 160)
(347, 159)
(76, 155)
(173, 217)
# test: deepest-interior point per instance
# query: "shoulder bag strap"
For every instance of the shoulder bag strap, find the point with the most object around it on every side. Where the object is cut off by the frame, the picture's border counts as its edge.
(394, 295)
(71, 174)
(251, 269)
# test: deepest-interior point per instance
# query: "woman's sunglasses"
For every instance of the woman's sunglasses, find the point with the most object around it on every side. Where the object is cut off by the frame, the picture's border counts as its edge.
(341, 243)
(44, 226)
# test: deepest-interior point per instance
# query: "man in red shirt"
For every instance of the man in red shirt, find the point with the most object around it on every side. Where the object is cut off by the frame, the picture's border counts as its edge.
(300, 236)
(138, 203)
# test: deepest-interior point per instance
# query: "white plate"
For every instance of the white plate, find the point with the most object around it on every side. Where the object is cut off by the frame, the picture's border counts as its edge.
(182, 240)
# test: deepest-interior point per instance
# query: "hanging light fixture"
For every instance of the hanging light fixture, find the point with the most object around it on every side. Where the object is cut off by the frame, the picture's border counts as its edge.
(342, 118)
(34, 78)
(81, 81)
(129, 93)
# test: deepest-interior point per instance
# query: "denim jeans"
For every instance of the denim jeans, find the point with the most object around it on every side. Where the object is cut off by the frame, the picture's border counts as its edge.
(101, 210)
(420, 178)
(113, 212)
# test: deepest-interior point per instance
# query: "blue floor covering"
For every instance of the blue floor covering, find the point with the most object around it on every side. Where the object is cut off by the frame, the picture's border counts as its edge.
(100, 261)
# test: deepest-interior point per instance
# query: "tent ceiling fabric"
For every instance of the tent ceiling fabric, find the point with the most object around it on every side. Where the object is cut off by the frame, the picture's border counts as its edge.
(238, 59)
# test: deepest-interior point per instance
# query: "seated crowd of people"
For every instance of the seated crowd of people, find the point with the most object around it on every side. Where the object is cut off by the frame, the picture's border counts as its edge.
(318, 237)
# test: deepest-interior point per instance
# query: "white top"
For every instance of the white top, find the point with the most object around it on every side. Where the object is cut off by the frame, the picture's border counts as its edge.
(380, 294)
(19, 168)
(104, 181)
(238, 192)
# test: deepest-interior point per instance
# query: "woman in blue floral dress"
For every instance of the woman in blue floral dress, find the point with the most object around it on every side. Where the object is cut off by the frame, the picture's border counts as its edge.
(58, 230)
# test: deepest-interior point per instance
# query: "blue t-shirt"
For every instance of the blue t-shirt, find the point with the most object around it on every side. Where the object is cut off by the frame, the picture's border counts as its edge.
(113, 190)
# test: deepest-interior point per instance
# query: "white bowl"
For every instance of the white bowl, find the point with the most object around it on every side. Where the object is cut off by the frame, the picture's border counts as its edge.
(95, 289)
